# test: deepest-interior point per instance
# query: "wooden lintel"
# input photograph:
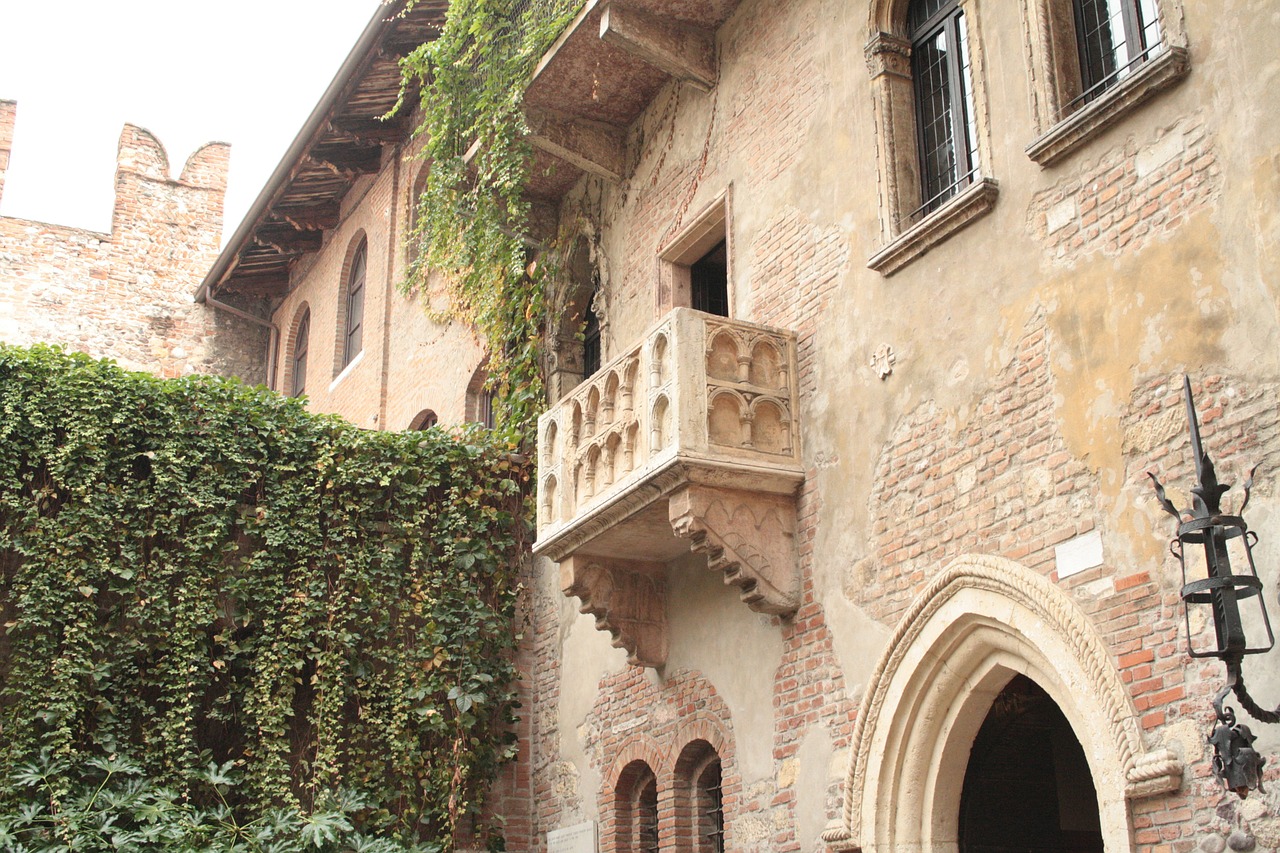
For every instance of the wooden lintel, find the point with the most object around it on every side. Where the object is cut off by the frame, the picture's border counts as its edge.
(591, 146)
(684, 52)
(286, 239)
(349, 159)
(371, 130)
(256, 285)
(312, 218)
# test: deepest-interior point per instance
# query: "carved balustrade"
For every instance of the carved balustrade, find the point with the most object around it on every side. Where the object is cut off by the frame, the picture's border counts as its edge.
(687, 441)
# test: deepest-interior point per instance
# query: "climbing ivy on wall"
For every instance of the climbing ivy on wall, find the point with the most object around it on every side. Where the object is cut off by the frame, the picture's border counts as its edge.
(472, 222)
(248, 606)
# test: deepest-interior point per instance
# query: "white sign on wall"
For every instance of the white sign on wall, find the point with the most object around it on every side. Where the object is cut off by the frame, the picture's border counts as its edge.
(573, 839)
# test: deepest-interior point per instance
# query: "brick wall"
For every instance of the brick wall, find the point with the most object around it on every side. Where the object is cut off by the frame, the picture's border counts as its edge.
(1130, 195)
(8, 114)
(127, 294)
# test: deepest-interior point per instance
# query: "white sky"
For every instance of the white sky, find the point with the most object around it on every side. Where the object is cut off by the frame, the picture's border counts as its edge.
(247, 72)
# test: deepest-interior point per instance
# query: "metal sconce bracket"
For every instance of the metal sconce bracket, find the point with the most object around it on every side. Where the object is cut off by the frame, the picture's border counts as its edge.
(1236, 763)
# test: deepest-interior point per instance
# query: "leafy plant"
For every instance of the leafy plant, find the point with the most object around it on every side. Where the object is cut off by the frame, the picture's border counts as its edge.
(472, 220)
(194, 570)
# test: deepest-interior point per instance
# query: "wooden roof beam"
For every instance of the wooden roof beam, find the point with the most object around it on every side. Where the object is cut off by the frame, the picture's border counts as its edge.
(314, 217)
(371, 130)
(268, 284)
(288, 240)
(684, 52)
(348, 160)
(592, 146)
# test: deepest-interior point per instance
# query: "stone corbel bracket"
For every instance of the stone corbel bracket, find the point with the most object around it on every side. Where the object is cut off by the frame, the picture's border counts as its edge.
(628, 599)
(749, 537)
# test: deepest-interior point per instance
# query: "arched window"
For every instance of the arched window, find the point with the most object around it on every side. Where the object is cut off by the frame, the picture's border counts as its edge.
(353, 335)
(1095, 60)
(480, 398)
(298, 364)
(636, 799)
(699, 799)
(590, 344)
(941, 73)
(425, 419)
(925, 59)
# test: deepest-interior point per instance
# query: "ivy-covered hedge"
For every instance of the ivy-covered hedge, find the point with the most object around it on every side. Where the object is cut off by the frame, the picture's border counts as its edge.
(248, 607)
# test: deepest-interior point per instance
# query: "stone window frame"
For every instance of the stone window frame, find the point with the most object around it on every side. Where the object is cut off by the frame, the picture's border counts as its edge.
(704, 231)
(888, 56)
(299, 337)
(579, 291)
(1052, 47)
(343, 358)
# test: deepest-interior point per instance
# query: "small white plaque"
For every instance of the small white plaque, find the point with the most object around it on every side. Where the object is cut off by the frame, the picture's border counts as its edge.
(573, 839)
(633, 723)
(1076, 555)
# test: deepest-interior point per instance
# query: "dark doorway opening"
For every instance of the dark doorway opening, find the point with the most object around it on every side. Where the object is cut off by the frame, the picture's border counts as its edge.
(1028, 786)
(709, 281)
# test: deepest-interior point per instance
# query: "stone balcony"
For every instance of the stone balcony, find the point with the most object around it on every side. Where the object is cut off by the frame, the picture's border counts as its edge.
(688, 441)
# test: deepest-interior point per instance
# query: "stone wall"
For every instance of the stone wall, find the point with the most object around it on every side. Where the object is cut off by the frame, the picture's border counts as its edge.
(127, 294)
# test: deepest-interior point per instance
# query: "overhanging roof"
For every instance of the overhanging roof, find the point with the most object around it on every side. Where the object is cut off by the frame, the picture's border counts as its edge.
(340, 141)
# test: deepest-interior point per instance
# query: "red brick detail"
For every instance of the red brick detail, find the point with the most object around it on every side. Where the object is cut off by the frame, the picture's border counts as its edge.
(127, 294)
(1128, 197)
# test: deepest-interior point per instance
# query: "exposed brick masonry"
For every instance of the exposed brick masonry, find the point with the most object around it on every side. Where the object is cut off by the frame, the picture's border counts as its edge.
(127, 294)
(1130, 195)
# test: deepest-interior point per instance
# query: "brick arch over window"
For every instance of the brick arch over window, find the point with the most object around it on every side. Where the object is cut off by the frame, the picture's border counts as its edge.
(630, 804)
(980, 623)
(353, 285)
(298, 347)
(424, 420)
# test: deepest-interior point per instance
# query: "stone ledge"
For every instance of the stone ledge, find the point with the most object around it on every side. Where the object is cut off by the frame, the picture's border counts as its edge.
(1075, 130)
(969, 205)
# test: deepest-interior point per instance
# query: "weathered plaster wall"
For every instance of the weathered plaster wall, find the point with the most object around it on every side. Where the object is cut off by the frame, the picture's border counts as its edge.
(1037, 357)
(127, 294)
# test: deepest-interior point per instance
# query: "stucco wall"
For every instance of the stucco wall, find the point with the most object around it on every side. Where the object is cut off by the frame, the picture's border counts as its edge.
(1033, 349)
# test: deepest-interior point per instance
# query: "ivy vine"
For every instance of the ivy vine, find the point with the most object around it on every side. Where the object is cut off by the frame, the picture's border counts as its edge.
(472, 221)
(195, 573)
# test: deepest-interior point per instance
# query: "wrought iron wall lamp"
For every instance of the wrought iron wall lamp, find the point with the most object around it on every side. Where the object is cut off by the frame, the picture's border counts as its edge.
(1207, 540)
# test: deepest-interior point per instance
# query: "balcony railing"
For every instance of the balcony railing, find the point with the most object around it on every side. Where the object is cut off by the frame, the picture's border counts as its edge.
(689, 439)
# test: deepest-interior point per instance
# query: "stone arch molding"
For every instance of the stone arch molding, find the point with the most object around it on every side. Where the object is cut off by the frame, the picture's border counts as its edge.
(982, 621)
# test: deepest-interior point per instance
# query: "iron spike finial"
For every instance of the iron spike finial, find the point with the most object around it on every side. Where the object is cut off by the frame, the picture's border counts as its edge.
(1194, 423)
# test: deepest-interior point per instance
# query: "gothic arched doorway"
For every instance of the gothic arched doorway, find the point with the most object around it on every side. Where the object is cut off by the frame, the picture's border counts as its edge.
(1028, 787)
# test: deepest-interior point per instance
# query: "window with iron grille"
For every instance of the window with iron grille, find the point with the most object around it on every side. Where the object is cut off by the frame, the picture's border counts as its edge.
(1113, 38)
(301, 338)
(711, 809)
(353, 338)
(940, 72)
(646, 816)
